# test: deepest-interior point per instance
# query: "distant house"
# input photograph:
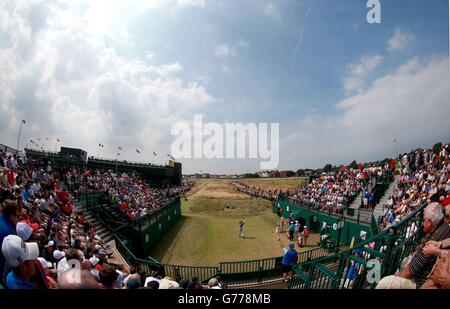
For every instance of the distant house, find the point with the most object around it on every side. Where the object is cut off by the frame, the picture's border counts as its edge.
(265, 174)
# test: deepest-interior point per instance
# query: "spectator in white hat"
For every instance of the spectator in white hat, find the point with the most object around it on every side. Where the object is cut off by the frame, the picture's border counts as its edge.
(94, 261)
(24, 231)
(20, 256)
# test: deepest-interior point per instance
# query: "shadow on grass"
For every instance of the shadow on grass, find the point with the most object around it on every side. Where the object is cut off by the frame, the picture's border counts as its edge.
(166, 245)
(249, 237)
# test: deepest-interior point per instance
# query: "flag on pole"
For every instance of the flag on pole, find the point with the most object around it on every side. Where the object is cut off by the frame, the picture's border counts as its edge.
(137, 150)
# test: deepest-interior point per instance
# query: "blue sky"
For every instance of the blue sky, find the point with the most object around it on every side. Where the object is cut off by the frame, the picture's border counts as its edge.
(340, 88)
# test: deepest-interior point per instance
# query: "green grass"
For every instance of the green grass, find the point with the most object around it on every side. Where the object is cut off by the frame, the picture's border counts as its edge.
(207, 232)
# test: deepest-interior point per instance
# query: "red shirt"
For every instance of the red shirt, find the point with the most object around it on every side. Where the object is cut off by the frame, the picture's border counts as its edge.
(446, 201)
(10, 176)
(63, 196)
(68, 209)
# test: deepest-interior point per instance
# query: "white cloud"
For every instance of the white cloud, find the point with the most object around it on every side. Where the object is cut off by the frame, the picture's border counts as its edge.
(226, 50)
(170, 4)
(243, 44)
(409, 104)
(357, 72)
(400, 40)
(271, 10)
(67, 83)
(149, 55)
(223, 51)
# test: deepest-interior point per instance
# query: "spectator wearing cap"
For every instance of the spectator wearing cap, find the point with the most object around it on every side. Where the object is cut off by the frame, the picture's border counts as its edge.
(8, 220)
(59, 253)
(24, 231)
(289, 259)
(168, 283)
(154, 277)
(415, 273)
(94, 261)
(21, 256)
(47, 251)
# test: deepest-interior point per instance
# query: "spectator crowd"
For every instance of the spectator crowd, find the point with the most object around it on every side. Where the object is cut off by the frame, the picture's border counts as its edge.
(47, 243)
(332, 192)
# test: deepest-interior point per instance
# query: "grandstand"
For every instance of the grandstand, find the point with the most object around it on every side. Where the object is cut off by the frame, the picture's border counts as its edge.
(370, 220)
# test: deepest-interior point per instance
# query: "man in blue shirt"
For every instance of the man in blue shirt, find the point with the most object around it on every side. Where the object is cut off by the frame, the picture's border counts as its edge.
(8, 221)
(289, 259)
(26, 194)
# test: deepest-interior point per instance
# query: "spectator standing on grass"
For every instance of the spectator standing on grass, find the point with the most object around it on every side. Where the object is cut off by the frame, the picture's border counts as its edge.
(305, 235)
(289, 259)
(291, 231)
(296, 229)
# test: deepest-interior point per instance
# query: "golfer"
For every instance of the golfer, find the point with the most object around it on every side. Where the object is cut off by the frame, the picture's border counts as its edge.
(241, 228)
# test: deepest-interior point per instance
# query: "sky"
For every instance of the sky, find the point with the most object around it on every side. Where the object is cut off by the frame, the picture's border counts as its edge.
(121, 73)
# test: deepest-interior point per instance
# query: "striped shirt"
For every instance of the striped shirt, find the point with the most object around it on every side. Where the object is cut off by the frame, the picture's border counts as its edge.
(422, 265)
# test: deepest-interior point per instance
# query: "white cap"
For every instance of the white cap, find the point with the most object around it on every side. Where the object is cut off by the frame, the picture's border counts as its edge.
(45, 263)
(24, 231)
(51, 243)
(166, 284)
(16, 251)
(58, 254)
(94, 261)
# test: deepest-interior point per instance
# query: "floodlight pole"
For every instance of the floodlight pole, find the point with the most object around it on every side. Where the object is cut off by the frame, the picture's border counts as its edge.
(18, 138)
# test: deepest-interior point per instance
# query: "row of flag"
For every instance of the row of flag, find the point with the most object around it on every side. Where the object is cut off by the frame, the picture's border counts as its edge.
(100, 145)
(137, 150)
(39, 139)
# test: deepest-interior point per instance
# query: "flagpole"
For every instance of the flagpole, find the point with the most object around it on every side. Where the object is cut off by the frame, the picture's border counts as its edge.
(18, 139)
